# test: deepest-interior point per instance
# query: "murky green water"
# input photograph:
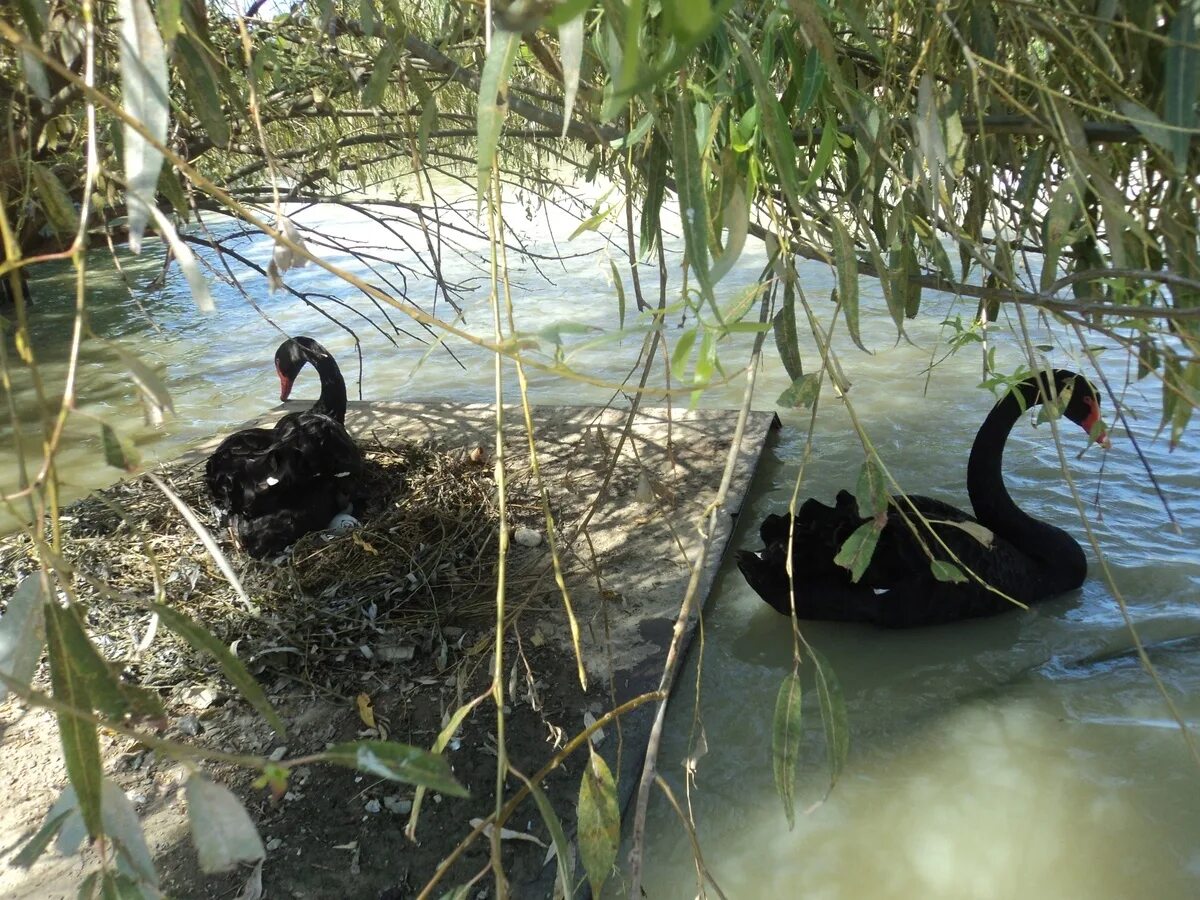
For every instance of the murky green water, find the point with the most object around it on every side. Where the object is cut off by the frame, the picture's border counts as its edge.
(1025, 756)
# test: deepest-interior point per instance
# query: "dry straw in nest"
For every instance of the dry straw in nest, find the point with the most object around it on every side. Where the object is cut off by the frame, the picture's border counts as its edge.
(424, 557)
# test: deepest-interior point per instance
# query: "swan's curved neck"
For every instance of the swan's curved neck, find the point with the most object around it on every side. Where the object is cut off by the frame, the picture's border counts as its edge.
(332, 401)
(996, 509)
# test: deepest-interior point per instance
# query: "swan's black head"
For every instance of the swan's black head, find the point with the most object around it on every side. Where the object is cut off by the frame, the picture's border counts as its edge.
(291, 357)
(1078, 400)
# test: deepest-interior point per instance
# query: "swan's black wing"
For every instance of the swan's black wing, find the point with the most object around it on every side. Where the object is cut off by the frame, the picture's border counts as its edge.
(313, 445)
(271, 532)
(308, 448)
(229, 472)
(898, 587)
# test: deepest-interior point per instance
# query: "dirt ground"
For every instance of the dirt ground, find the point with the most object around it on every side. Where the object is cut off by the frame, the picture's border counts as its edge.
(338, 833)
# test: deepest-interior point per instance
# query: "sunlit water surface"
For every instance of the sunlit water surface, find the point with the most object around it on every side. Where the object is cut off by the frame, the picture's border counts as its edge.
(1024, 756)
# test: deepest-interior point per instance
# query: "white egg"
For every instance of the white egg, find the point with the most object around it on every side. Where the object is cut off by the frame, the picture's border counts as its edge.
(343, 522)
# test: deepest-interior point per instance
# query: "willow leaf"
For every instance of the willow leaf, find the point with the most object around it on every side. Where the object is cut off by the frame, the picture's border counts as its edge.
(397, 762)
(736, 220)
(847, 278)
(785, 743)
(570, 45)
(80, 743)
(200, 639)
(833, 716)
(23, 631)
(144, 89)
(1181, 77)
(373, 93)
(493, 87)
(598, 823)
(200, 80)
(858, 549)
(222, 831)
(693, 200)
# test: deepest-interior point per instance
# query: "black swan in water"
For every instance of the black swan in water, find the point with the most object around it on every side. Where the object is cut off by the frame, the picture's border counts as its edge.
(272, 485)
(1027, 560)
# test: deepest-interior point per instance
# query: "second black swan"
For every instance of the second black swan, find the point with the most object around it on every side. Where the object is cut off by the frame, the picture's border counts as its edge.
(272, 485)
(1023, 558)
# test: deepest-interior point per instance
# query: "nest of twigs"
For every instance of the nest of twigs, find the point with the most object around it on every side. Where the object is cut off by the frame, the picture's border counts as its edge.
(421, 566)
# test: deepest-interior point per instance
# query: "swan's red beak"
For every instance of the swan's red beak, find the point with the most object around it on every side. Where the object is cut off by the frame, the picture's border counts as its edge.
(1094, 425)
(285, 384)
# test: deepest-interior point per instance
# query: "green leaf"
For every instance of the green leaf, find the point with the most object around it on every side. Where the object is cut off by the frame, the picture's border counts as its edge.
(570, 46)
(119, 451)
(367, 17)
(946, 571)
(829, 140)
(373, 93)
(1055, 229)
(200, 80)
(169, 187)
(1181, 78)
(23, 631)
(592, 222)
(490, 111)
(121, 826)
(222, 831)
(787, 341)
(656, 187)
(145, 98)
(397, 762)
(619, 285)
(847, 278)
(858, 549)
(803, 392)
(1152, 128)
(736, 220)
(681, 353)
(116, 699)
(785, 743)
(462, 892)
(813, 74)
(186, 259)
(627, 72)
(774, 124)
(693, 202)
(429, 109)
(55, 201)
(562, 848)
(34, 13)
(81, 747)
(565, 12)
(688, 19)
(170, 18)
(439, 744)
(833, 716)
(871, 491)
(598, 823)
(640, 130)
(156, 398)
(119, 886)
(200, 639)
(706, 363)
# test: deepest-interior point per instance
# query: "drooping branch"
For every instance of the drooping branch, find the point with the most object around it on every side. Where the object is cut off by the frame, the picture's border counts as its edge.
(589, 133)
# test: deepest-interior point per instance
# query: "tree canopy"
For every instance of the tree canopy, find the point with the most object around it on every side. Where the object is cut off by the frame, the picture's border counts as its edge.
(1041, 155)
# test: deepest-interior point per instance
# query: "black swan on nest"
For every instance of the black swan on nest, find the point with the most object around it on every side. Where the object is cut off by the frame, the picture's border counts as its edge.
(1026, 559)
(273, 485)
